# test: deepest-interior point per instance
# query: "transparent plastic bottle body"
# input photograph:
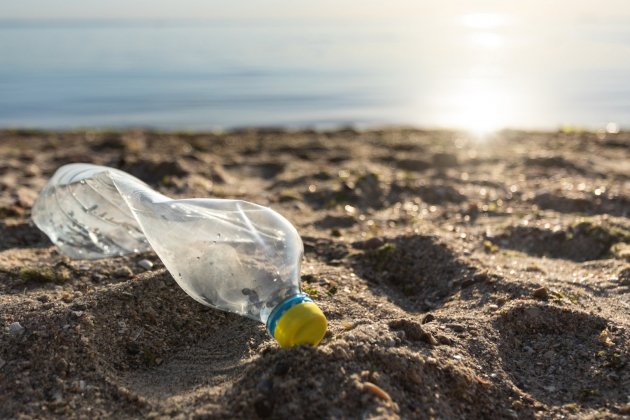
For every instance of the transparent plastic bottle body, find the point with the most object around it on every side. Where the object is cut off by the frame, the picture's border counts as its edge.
(228, 254)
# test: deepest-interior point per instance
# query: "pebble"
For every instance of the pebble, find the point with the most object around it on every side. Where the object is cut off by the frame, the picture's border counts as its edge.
(26, 197)
(98, 277)
(16, 328)
(78, 307)
(372, 243)
(2, 363)
(512, 414)
(456, 327)
(123, 272)
(76, 314)
(146, 264)
(541, 293)
(442, 339)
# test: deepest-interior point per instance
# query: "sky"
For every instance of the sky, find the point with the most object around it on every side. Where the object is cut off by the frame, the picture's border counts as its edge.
(538, 10)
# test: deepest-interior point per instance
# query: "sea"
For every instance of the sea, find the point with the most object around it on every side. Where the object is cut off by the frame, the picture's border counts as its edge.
(472, 72)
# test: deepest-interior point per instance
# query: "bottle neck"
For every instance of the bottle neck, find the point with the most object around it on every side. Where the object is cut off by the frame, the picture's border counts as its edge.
(283, 307)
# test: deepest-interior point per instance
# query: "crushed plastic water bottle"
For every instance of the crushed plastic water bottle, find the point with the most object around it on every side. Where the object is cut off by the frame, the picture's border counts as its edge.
(228, 254)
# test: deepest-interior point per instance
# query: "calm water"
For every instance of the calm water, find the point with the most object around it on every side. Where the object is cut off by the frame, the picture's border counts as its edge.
(469, 72)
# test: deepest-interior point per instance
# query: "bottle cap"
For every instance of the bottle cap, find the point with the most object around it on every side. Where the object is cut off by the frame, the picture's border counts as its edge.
(298, 321)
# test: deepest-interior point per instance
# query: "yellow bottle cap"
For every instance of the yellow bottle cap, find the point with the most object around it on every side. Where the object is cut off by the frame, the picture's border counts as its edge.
(303, 323)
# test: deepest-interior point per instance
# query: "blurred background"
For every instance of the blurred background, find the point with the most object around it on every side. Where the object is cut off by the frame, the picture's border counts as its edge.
(193, 64)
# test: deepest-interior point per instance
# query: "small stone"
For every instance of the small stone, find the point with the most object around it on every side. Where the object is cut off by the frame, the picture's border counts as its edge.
(78, 307)
(605, 339)
(16, 328)
(123, 272)
(512, 414)
(76, 314)
(98, 277)
(372, 243)
(413, 331)
(32, 170)
(429, 338)
(442, 339)
(428, 318)
(25, 197)
(460, 328)
(146, 264)
(541, 293)
(330, 222)
(2, 363)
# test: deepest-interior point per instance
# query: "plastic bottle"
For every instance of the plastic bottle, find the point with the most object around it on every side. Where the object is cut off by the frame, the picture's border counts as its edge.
(228, 254)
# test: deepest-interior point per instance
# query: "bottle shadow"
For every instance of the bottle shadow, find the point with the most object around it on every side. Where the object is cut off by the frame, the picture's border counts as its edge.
(21, 235)
(160, 344)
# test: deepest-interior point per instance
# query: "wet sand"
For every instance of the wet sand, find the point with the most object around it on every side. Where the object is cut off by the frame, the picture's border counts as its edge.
(461, 278)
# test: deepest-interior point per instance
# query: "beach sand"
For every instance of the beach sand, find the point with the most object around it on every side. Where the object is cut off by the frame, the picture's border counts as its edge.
(461, 277)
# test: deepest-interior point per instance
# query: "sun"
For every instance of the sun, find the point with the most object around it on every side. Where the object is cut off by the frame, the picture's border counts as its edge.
(480, 111)
(477, 106)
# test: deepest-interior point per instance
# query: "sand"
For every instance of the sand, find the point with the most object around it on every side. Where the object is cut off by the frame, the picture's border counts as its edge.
(462, 277)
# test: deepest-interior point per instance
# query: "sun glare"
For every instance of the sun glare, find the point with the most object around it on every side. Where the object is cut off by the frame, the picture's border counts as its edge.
(486, 39)
(476, 105)
(479, 110)
(478, 96)
(484, 20)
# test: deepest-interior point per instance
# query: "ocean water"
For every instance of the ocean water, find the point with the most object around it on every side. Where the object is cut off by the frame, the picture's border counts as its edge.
(462, 73)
